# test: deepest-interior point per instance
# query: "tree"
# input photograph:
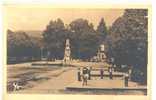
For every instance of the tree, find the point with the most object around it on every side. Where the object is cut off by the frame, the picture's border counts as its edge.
(20, 45)
(84, 39)
(128, 41)
(54, 37)
(102, 29)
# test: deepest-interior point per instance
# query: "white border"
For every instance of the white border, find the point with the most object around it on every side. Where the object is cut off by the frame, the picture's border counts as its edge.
(87, 2)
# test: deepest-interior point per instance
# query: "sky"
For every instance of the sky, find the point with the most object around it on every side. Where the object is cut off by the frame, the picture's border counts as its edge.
(36, 18)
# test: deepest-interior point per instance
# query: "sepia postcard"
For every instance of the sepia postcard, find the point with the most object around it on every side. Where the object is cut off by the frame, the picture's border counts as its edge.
(77, 52)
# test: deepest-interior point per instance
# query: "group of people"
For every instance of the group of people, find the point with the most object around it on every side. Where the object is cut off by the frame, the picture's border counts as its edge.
(84, 74)
(110, 70)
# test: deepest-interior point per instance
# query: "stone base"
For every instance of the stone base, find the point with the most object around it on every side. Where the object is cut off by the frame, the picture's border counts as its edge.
(108, 87)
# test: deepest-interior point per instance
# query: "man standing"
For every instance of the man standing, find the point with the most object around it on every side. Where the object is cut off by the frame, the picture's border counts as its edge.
(79, 74)
(110, 73)
(101, 73)
(84, 76)
(126, 76)
(129, 72)
(89, 73)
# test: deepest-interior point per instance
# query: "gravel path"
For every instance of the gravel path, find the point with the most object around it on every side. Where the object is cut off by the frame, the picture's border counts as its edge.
(54, 84)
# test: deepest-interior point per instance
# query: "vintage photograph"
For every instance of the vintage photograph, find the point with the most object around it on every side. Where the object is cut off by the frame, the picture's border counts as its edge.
(90, 51)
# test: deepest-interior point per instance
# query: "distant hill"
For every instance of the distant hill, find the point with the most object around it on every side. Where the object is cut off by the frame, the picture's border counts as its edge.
(34, 33)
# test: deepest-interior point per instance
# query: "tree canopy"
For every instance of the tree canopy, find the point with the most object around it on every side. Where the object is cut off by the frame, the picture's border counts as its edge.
(84, 39)
(20, 45)
(102, 29)
(127, 40)
(54, 38)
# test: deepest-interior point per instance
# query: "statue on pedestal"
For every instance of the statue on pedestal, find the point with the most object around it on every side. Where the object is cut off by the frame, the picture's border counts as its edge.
(67, 52)
(101, 53)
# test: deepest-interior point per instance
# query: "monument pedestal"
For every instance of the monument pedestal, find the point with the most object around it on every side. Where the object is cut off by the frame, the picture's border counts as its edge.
(67, 52)
(101, 54)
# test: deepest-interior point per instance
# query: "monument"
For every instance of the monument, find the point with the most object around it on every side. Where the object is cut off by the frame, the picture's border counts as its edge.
(67, 52)
(101, 53)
